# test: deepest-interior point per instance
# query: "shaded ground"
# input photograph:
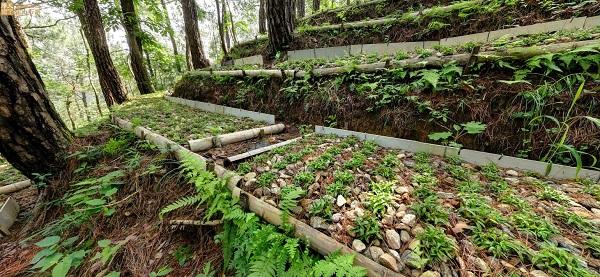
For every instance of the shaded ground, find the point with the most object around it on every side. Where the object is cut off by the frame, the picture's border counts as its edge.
(111, 193)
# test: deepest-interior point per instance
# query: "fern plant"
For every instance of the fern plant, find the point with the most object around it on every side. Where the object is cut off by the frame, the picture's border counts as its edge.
(181, 203)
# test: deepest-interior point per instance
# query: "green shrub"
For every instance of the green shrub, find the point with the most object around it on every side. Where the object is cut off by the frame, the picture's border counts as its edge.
(265, 179)
(304, 178)
(430, 211)
(498, 243)
(436, 245)
(366, 228)
(244, 168)
(559, 262)
(322, 207)
(344, 177)
(532, 224)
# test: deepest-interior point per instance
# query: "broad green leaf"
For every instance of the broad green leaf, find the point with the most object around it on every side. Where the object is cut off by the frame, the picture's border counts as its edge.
(48, 262)
(104, 243)
(44, 253)
(113, 274)
(95, 202)
(70, 241)
(431, 77)
(474, 127)
(62, 268)
(48, 241)
(439, 136)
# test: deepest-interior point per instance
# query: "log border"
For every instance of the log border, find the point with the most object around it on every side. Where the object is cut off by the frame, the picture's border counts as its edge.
(318, 241)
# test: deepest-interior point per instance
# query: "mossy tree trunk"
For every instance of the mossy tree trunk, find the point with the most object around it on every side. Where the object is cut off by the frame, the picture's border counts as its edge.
(301, 8)
(33, 138)
(192, 34)
(280, 19)
(133, 32)
(316, 6)
(110, 81)
(171, 34)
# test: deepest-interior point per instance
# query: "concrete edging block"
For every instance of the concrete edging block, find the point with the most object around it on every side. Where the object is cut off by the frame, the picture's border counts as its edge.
(574, 23)
(303, 54)
(391, 142)
(252, 60)
(355, 49)
(213, 108)
(378, 48)
(558, 171)
(332, 52)
(460, 40)
(238, 62)
(8, 215)
(592, 22)
(429, 44)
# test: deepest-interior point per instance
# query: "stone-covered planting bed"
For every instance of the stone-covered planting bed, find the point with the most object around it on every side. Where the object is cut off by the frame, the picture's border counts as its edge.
(420, 214)
(178, 122)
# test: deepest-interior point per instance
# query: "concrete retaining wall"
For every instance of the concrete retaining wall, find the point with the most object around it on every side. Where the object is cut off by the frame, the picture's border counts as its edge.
(213, 108)
(393, 48)
(471, 156)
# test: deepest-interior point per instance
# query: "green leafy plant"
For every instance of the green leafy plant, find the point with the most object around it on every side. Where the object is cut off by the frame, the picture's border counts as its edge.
(58, 254)
(559, 262)
(338, 265)
(366, 227)
(265, 179)
(288, 201)
(593, 245)
(498, 243)
(322, 207)
(380, 197)
(574, 220)
(244, 168)
(430, 211)
(182, 254)
(163, 271)
(186, 201)
(475, 208)
(452, 136)
(304, 178)
(436, 245)
(344, 177)
(534, 225)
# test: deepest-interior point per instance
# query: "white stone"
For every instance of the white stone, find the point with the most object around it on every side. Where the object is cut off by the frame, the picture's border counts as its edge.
(430, 273)
(341, 201)
(389, 261)
(404, 236)
(249, 176)
(513, 173)
(358, 245)
(393, 239)
(336, 217)
(375, 252)
(538, 273)
(409, 219)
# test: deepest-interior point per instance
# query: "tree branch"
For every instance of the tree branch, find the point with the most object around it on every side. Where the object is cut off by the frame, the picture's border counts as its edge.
(50, 25)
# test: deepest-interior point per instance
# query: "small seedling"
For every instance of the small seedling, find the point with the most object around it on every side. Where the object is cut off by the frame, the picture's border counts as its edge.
(477, 209)
(322, 207)
(366, 227)
(534, 225)
(304, 178)
(436, 245)
(265, 179)
(343, 177)
(559, 262)
(498, 243)
(431, 211)
(244, 168)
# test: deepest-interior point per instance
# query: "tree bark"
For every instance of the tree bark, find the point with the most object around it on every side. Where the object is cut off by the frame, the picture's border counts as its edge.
(133, 32)
(301, 8)
(85, 106)
(262, 18)
(316, 6)
(225, 25)
(33, 138)
(171, 34)
(192, 34)
(221, 28)
(110, 81)
(280, 18)
(233, 33)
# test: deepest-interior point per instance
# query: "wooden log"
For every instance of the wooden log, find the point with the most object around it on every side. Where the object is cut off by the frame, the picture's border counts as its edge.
(195, 222)
(317, 240)
(14, 187)
(239, 157)
(221, 140)
(516, 53)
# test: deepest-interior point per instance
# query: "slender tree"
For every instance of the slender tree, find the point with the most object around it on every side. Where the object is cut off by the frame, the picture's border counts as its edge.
(133, 32)
(262, 18)
(89, 72)
(316, 6)
(110, 81)
(171, 34)
(33, 138)
(300, 8)
(280, 18)
(221, 27)
(192, 34)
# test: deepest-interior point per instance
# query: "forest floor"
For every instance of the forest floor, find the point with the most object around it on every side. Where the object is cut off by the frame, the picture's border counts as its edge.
(102, 213)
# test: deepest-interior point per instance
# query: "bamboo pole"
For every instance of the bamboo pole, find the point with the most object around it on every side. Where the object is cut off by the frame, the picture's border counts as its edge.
(518, 53)
(242, 156)
(221, 140)
(317, 240)
(15, 187)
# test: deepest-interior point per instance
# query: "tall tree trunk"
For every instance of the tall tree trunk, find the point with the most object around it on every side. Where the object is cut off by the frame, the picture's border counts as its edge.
(301, 8)
(225, 25)
(149, 63)
(262, 18)
(233, 34)
(133, 32)
(33, 138)
(110, 81)
(89, 72)
(221, 28)
(171, 34)
(316, 6)
(68, 108)
(188, 58)
(85, 106)
(192, 34)
(280, 17)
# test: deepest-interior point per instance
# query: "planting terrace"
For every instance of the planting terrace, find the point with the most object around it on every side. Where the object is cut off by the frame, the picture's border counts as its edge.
(415, 212)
